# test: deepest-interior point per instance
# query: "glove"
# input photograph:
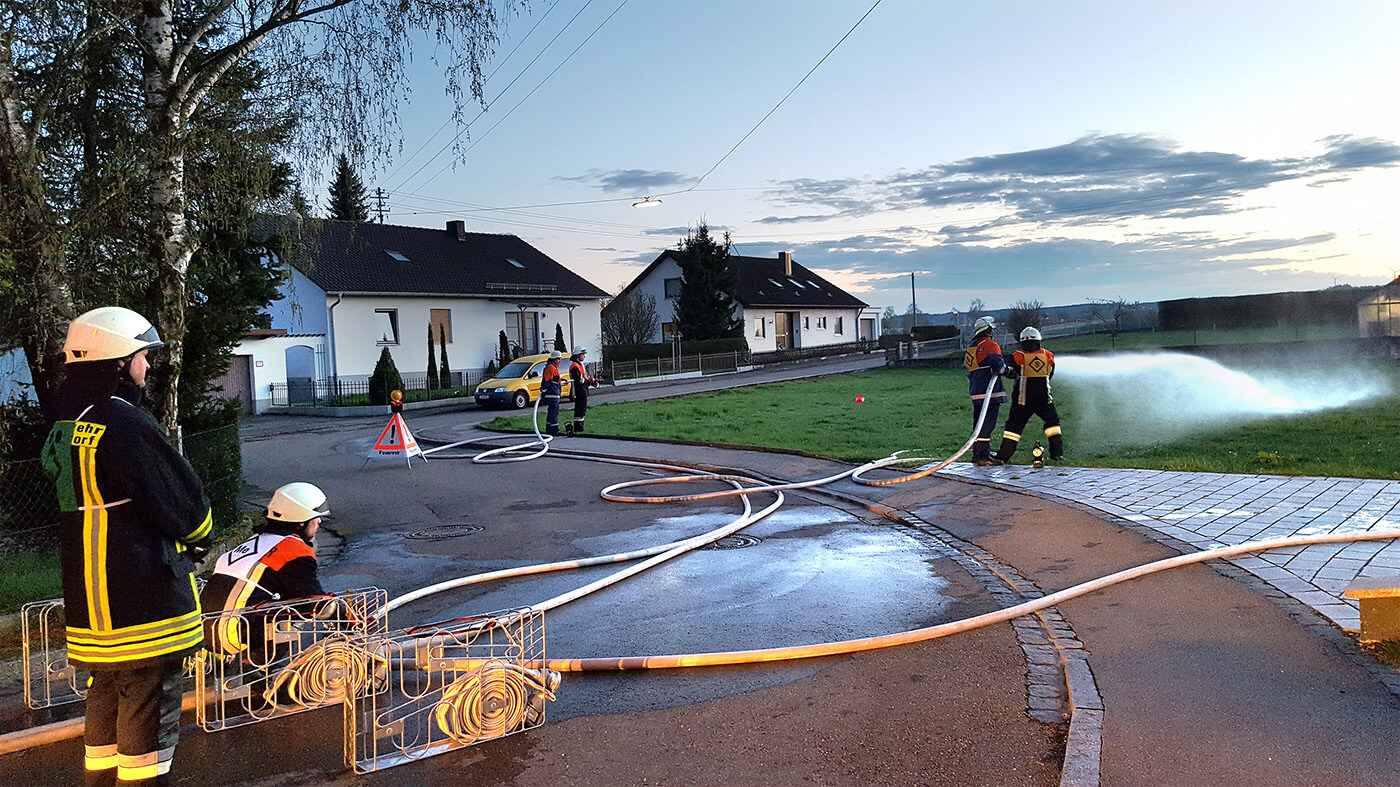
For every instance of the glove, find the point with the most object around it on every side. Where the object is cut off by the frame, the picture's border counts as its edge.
(197, 554)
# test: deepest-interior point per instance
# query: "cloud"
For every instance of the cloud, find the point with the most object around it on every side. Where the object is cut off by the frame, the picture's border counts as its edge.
(632, 181)
(1094, 179)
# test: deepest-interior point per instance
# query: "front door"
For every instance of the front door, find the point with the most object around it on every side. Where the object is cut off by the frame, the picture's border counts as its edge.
(784, 329)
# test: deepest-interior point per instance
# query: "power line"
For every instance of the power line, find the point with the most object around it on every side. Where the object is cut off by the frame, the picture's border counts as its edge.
(779, 104)
(522, 73)
(532, 92)
(493, 73)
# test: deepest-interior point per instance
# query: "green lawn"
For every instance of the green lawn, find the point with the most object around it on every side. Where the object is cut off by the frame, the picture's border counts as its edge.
(28, 576)
(928, 412)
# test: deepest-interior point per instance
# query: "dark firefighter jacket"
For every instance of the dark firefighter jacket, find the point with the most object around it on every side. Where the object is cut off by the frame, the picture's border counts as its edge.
(984, 363)
(578, 375)
(273, 565)
(130, 508)
(1033, 373)
(551, 385)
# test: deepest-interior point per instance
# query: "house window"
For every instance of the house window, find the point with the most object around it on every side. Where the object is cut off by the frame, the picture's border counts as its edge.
(838, 326)
(821, 322)
(668, 331)
(440, 320)
(806, 322)
(673, 287)
(386, 326)
(760, 327)
(515, 263)
(394, 255)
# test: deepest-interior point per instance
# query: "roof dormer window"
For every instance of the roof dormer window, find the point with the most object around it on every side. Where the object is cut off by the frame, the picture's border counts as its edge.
(516, 263)
(394, 255)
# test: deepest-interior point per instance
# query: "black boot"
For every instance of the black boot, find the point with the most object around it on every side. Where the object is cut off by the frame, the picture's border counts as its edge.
(1007, 450)
(1057, 447)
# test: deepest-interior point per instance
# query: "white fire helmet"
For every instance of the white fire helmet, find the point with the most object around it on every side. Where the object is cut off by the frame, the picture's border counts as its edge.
(984, 324)
(555, 355)
(579, 349)
(108, 333)
(296, 503)
(1030, 333)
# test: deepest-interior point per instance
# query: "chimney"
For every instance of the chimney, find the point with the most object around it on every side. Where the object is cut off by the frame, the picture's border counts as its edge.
(785, 257)
(458, 228)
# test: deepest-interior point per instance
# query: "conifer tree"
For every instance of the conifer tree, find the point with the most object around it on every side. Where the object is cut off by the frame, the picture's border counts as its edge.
(347, 193)
(444, 371)
(559, 338)
(705, 308)
(385, 378)
(432, 362)
(505, 349)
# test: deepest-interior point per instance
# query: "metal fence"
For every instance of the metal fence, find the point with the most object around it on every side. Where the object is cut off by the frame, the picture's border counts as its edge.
(339, 392)
(730, 361)
(29, 505)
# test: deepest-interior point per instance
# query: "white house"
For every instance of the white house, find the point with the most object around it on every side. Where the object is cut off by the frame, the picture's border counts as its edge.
(783, 304)
(357, 288)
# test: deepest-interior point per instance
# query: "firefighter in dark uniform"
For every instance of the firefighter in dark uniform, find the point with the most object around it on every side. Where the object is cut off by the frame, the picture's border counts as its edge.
(1033, 367)
(581, 381)
(985, 365)
(551, 389)
(277, 564)
(133, 520)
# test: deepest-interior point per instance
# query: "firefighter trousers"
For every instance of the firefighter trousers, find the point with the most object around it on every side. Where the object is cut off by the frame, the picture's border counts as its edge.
(982, 447)
(580, 407)
(1016, 421)
(133, 723)
(551, 417)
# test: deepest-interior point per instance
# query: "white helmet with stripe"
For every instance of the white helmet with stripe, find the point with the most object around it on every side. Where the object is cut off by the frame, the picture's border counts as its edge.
(108, 333)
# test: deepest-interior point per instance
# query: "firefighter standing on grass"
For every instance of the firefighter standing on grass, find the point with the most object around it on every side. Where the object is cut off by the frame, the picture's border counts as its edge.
(133, 519)
(984, 365)
(551, 389)
(581, 381)
(1033, 366)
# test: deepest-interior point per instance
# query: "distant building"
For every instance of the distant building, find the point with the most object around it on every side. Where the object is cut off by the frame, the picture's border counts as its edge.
(1379, 314)
(357, 288)
(783, 304)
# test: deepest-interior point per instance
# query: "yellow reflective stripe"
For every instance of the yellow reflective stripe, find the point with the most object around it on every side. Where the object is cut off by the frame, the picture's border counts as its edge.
(1051, 431)
(204, 528)
(134, 767)
(94, 541)
(113, 654)
(139, 631)
(1011, 435)
(100, 758)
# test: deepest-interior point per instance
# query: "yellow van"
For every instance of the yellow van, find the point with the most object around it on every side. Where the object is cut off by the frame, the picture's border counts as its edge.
(518, 383)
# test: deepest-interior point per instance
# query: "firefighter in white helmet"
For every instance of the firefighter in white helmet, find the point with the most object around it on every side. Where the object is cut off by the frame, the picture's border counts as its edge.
(1033, 366)
(984, 364)
(580, 381)
(133, 519)
(277, 564)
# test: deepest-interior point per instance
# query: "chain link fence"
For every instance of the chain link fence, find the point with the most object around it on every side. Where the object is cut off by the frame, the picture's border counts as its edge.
(29, 506)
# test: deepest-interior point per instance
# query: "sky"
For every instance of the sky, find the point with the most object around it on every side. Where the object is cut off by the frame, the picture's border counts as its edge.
(1004, 151)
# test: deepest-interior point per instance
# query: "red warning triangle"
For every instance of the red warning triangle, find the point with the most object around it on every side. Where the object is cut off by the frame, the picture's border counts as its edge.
(397, 440)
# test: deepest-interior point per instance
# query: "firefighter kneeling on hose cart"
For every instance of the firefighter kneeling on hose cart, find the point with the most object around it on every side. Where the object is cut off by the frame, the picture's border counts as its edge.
(133, 519)
(277, 564)
(984, 364)
(1033, 366)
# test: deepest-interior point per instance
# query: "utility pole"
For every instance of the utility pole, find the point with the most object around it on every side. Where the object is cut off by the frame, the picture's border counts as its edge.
(913, 302)
(380, 203)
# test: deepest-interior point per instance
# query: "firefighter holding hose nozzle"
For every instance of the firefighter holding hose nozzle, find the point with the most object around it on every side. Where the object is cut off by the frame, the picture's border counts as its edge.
(985, 365)
(1032, 366)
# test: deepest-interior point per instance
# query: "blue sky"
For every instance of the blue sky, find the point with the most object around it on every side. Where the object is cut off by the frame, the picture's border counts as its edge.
(1002, 151)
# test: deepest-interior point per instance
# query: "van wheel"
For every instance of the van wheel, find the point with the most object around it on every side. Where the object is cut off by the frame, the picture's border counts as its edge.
(520, 400)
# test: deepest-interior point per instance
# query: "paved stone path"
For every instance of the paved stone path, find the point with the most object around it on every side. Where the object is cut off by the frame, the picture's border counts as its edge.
(1206, 510)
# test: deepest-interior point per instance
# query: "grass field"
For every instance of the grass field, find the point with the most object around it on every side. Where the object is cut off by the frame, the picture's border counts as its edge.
(28, 576)
(928, 412)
